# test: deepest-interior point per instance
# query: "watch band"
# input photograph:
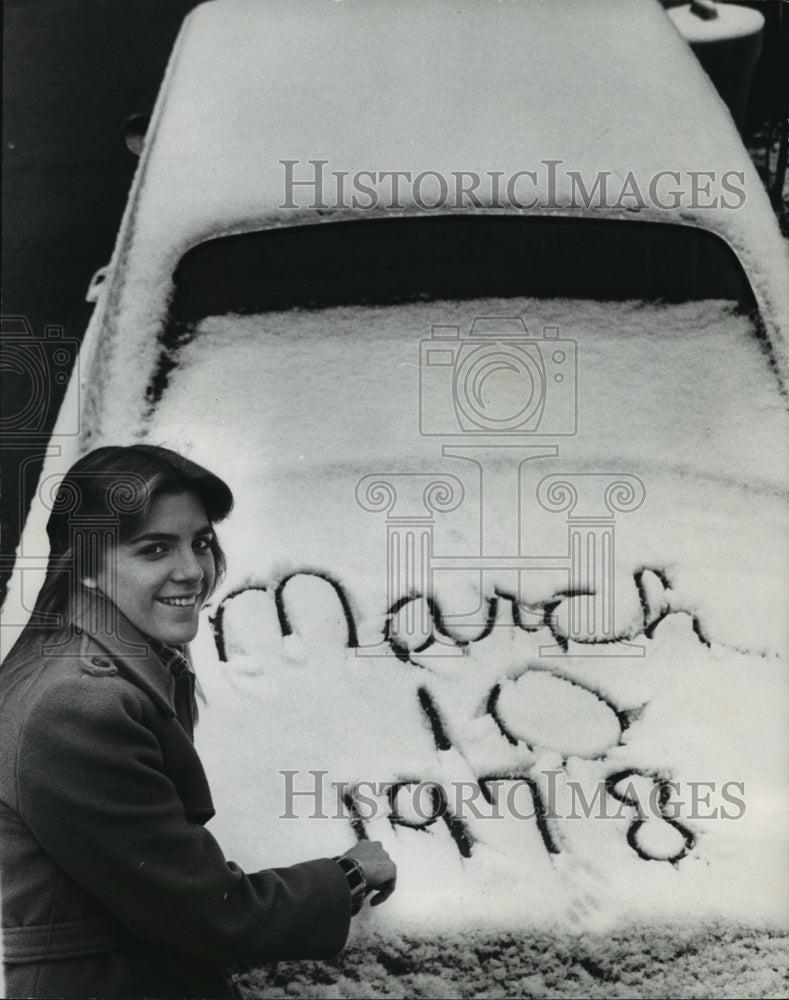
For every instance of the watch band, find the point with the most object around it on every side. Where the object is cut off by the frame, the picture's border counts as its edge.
(357, 883)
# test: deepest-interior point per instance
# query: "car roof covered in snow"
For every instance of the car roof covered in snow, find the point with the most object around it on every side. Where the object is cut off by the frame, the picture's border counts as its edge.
(402, 85)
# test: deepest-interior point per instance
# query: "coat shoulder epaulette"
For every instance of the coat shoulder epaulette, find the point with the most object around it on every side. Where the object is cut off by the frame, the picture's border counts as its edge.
(94, 660)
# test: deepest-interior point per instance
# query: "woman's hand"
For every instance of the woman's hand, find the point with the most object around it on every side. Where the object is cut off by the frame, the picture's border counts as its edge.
(379, 870)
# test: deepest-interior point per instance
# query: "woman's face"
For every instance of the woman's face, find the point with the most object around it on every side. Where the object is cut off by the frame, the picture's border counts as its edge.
(165, 571)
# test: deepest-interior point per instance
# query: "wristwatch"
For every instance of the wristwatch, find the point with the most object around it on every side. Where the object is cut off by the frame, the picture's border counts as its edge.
(357, 883)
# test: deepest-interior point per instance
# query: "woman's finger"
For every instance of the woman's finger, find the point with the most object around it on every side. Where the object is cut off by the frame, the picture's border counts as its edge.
(384, 892)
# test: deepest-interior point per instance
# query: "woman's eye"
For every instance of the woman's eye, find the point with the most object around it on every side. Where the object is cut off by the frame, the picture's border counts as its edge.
(202, 545)
(156, 549)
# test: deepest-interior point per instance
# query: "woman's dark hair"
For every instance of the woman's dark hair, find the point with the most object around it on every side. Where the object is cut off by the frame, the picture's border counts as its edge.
(103, 499)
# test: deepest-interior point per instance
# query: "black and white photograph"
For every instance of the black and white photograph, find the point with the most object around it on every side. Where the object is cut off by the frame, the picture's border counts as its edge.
(395, 499)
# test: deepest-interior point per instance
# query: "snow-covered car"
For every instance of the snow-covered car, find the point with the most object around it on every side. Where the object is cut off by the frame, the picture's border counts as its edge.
(481, 310)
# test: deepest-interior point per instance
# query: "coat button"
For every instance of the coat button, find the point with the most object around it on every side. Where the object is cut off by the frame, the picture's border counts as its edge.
(99, 666)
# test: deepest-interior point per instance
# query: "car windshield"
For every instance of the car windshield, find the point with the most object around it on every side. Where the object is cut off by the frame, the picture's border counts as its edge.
(455, 257)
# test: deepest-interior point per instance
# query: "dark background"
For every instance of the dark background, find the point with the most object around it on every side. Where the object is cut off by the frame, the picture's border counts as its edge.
(74, 70)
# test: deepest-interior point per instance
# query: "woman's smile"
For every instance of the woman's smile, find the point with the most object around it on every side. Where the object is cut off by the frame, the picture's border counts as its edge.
(179, 602)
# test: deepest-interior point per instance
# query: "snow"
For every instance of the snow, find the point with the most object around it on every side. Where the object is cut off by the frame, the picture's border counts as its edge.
(545, 710)
(694, 690)
(644, 961)
(300, 86)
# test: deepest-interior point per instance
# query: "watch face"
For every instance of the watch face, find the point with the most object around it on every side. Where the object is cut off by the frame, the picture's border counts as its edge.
(353, 872)
(355, 875)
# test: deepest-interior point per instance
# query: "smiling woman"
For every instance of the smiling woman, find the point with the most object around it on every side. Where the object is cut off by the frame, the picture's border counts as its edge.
(111, 884)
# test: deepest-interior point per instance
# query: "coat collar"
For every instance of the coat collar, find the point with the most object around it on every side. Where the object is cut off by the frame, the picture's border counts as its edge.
(106, 632)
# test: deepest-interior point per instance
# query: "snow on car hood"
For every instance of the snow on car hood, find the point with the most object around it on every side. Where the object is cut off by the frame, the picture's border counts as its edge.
(403, 605)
